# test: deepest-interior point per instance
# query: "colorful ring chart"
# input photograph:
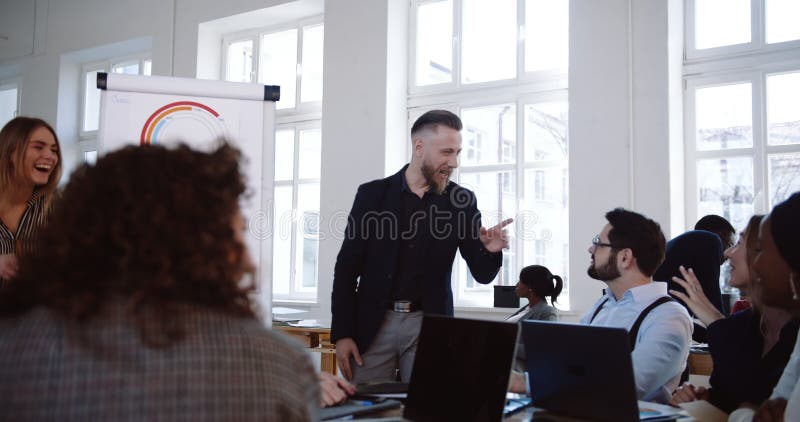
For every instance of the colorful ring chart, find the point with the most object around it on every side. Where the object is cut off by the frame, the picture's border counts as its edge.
(183, 115)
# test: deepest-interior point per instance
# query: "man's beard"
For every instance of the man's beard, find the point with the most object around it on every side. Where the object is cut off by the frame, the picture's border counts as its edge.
(609, 271)
(430, 174)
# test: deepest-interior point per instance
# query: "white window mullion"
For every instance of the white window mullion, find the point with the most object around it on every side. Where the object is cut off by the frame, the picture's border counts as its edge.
(298, 69)
(520, 176)
(457, 43)
(521, 38)
(760, 166)
(293, 290)
(757, 23)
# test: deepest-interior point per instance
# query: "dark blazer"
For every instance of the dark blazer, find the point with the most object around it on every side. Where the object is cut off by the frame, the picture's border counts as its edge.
(362, 278)
(741, 374)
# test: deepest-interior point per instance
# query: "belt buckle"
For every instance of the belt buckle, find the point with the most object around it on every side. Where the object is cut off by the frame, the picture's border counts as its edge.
(402, 306)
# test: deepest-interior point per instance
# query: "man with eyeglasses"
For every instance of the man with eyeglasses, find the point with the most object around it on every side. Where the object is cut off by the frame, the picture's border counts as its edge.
(625, 255)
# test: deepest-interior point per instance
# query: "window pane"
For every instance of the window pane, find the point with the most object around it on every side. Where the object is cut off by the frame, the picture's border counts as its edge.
(90, 157)
(282, 241)
(313, 38)
(543, 221)
(91, 102)
(307, 237)
(130, 68)
(725, 187)
(240, 61)
(8, 105)
(546, 131)
(278, 64)
(546, 34)
(782, 17)
(309, 165)
(783, 109)
(489, 135)
(284, 154)
(784, 176)
(496, 193)
(434, 46)
(724, 117)
(721, 22)
(489, 49)
(148, 67)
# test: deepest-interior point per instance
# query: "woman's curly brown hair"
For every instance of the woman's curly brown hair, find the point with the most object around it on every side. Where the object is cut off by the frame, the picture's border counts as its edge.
(149, 225)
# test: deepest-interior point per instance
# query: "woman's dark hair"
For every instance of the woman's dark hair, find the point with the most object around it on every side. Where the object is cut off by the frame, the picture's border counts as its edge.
(147, 225)
(539, 279)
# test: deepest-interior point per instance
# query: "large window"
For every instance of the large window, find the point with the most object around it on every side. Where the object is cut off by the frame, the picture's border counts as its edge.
(502, 66)
(742, 106)
(9, 101)
(90, 110)
(289, 56)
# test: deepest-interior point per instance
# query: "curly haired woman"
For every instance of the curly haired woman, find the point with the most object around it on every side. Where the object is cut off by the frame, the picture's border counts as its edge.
(137, 304)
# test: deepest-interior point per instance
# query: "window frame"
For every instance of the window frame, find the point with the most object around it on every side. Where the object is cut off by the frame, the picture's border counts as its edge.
(760, 150)
(13, 83)
(302, 116)
(521, 78)
(87, 139)
(752, 63)
(757, 44)
(301, 110)
(525, 88)
(296, 294)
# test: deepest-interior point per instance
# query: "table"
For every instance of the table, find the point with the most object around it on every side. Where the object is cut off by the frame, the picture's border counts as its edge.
(317, 340)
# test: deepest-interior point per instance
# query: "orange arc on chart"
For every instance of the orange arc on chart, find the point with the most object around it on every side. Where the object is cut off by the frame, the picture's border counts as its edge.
(157, 119)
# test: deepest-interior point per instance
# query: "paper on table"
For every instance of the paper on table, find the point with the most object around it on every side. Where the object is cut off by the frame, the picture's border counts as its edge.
(704, 411)
(305, 323)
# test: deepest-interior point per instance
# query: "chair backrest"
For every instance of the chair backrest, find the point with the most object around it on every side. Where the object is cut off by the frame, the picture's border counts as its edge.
(702, 252)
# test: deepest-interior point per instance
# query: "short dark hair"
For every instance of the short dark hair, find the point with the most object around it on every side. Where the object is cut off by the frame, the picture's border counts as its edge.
(715, 224)
(641, 235)
(434, 118)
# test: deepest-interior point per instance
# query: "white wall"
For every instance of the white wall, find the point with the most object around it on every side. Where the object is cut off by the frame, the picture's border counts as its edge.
(620, 120)
(622, 72)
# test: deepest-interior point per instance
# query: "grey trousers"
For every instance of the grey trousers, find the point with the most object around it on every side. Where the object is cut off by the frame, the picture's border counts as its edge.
(394, 348)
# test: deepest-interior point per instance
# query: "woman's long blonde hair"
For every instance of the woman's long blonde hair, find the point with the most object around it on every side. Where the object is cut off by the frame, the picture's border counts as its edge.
(14, 139)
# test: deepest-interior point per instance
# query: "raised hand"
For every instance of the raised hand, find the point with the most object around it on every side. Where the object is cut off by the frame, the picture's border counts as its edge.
(495, 238)
(694, 297)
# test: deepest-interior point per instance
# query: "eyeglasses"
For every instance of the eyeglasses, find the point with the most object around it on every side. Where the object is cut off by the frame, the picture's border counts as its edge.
(597, 243)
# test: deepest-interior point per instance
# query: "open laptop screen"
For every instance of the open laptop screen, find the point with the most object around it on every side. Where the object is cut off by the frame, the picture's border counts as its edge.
(581, 370)
(461, 370)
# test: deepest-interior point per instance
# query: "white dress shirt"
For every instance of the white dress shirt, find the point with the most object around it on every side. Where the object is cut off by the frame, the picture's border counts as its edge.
(662, 343)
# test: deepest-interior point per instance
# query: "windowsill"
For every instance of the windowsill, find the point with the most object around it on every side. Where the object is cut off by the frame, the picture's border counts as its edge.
(493, 310)
(311, 304)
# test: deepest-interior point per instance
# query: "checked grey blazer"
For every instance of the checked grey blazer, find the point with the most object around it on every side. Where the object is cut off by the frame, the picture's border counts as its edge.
(225, 368)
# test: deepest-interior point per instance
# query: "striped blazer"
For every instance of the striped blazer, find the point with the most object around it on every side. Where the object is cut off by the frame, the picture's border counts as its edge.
(21, 241)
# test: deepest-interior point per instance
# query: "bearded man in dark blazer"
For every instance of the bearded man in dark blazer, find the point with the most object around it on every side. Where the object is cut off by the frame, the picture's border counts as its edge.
(397, 256)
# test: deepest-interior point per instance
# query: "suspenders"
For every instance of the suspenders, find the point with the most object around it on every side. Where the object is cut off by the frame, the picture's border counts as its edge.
(634, 330)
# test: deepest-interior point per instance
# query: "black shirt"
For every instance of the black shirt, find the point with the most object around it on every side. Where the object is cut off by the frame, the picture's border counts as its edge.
(414, 237)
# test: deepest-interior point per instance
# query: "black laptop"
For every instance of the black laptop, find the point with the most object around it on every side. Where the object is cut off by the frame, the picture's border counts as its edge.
(580, 370)
(461, 370)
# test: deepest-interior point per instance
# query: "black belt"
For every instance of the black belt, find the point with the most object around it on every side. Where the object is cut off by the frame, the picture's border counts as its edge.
(404, 306)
